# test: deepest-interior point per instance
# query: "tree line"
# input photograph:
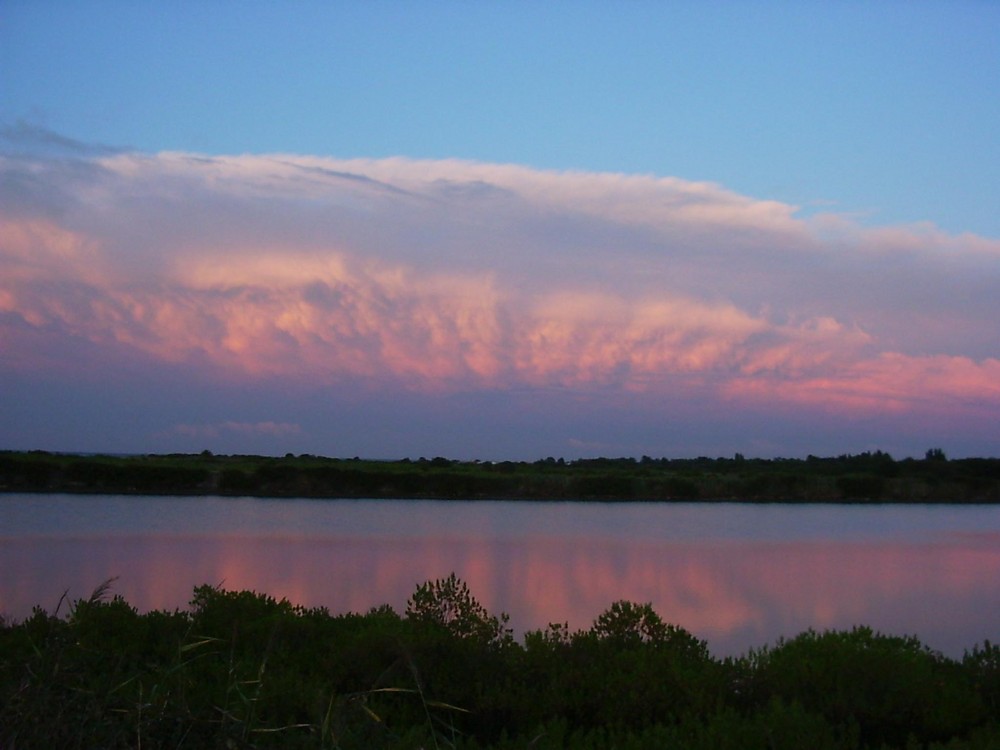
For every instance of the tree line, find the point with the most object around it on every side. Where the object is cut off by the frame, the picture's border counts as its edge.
(865, 477)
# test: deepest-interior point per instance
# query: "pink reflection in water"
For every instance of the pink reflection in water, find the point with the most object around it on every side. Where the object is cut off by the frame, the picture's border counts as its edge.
(735, 594)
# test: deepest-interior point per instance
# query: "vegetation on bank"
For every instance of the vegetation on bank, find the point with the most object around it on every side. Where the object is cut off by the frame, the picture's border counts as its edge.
(866, 477)
(242, 670)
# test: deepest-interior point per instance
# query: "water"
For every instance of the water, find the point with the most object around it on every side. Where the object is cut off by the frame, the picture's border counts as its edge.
(739, 576)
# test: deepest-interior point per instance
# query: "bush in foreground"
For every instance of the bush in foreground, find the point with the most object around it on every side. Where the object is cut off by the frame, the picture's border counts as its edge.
(243, 670)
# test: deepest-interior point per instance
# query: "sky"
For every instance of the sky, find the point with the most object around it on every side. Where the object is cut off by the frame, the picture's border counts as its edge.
(500, 230)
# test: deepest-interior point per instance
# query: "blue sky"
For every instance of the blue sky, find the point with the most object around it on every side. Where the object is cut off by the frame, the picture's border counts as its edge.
(500, 229)
(887, 109)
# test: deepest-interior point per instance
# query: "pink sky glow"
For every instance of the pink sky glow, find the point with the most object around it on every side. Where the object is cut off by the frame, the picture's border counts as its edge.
(400, 280)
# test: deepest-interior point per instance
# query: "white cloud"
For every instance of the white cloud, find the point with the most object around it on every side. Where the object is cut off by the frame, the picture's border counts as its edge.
(449, 275)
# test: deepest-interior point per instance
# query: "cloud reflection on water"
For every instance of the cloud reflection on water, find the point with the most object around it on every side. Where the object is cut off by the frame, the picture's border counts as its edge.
(735, 594)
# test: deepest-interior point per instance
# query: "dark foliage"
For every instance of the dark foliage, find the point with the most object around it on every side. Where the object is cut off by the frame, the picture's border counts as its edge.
(867, 477)
(240, 669)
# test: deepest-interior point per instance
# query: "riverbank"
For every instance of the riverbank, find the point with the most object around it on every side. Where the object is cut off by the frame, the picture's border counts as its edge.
(866, 477)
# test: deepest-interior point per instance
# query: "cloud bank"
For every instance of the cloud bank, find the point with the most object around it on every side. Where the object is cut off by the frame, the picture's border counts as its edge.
(408, 279)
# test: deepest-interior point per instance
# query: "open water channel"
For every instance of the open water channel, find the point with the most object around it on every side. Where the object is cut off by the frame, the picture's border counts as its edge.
(737, 575)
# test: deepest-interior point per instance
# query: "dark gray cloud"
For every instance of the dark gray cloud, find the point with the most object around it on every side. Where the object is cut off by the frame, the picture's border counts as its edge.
(31, 139)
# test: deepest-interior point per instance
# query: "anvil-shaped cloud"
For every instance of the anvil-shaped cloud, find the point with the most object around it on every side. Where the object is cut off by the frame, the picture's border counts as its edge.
(428, 278)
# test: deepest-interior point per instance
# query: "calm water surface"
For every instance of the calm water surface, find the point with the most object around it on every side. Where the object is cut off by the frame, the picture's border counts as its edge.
(736, 575)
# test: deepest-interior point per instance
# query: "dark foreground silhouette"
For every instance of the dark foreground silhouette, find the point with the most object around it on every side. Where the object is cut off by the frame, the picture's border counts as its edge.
(866, 477)
(242, 670)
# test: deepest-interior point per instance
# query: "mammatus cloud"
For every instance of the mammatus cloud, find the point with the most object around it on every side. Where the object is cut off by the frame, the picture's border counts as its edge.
(438, 276)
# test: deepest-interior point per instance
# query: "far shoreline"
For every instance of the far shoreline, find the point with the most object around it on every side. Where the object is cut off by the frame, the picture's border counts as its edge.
(866, 478)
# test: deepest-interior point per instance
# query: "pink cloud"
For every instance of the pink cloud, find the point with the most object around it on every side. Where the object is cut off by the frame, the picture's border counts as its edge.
(890, 382)
(448, 276)
(427, 330)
